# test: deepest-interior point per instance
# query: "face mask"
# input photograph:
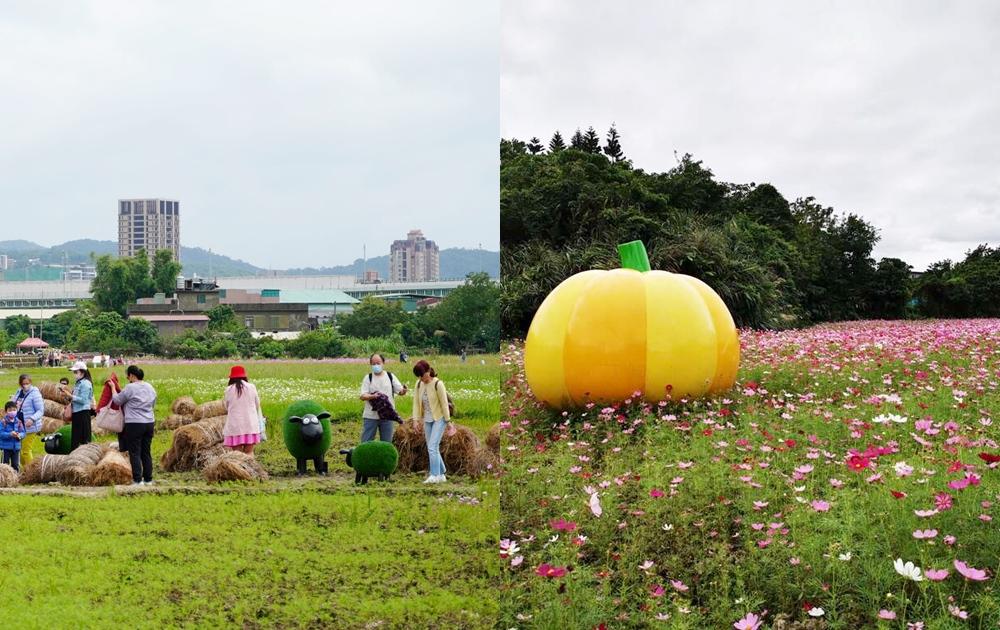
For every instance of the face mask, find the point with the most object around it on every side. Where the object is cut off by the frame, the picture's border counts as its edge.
(377, 368)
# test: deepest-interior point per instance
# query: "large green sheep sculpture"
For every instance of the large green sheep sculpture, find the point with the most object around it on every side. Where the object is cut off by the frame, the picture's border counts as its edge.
(372, 459)
(306, 429)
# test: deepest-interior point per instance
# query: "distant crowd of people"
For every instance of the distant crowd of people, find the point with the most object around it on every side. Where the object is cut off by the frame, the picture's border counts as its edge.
(56, 358)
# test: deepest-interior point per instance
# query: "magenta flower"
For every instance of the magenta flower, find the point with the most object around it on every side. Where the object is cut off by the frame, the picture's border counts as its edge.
(562, 525)
(548, 571)
(942, 501)
(970, 573)
(656, 493)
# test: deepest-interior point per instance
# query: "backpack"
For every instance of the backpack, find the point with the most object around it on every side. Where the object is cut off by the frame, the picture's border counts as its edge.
(392, 389)
(451, 405)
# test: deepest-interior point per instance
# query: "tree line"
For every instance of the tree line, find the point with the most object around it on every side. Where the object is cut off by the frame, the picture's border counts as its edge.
(776, 263)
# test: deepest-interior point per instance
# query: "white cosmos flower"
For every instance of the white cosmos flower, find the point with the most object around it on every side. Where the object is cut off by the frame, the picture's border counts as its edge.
(845, 556)
(908, 570)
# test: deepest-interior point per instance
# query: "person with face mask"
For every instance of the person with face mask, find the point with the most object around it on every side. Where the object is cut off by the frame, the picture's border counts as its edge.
(30, 408)
(378, 381)
(82, 403)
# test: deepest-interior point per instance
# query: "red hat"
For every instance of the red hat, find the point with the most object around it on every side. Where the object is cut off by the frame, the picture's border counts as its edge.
(237, 372)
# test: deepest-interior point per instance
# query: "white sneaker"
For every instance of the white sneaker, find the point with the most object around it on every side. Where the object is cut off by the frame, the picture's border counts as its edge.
(431, 479)
(442, 479)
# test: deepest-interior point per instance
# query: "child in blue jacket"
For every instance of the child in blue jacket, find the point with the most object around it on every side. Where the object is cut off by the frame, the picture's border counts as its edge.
(11, 434)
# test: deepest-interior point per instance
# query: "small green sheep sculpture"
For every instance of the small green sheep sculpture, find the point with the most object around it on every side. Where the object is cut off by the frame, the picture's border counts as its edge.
(306, 429)
(372, 459)
(60, 442)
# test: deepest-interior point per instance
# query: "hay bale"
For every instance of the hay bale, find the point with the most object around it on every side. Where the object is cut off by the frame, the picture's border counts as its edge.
(458, 451)
(53, 409)
(176, 421)
(484, 462)
(8, 476)
(114, 469)
(43, 469)
(51, 425)
(189, 441)
(79, 464)
(183, 406)
(210, 409)
(50, 391)
(234, 466)
(493, 439)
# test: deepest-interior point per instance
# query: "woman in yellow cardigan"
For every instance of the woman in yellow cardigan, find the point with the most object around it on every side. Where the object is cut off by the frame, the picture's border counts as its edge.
(430, 405)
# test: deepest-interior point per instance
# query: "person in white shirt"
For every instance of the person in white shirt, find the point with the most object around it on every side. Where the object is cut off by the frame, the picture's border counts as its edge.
(378, 381)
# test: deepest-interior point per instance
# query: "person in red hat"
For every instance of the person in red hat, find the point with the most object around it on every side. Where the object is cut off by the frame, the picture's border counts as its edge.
(243, 414)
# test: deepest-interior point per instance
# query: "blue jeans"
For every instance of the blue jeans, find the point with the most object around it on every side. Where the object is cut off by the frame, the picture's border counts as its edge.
(384, 428)
(433, 432)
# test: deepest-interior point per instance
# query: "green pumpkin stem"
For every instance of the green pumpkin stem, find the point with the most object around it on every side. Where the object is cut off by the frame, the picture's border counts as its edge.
(633, 255)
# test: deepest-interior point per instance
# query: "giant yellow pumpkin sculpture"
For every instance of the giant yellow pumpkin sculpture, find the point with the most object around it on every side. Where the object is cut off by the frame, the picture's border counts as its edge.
(602, 335)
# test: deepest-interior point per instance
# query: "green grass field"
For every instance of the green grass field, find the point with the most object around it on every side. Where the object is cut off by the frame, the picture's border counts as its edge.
(289, 552)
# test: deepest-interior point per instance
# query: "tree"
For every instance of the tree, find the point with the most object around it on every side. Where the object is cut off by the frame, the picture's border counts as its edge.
(577, 141)
(17, 326)
(510, 149)
(100, 333)
(165, 272)
(535, 146)
(470, 315)
(373, 317)
(140, 335)
(121, 281)
(556, 144)
(222, 318)
(613, 147)
(890, 289)
(592, 142)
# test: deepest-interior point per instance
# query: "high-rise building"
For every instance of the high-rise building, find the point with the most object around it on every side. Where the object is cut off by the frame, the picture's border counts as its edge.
(149, 224)
(414, 260)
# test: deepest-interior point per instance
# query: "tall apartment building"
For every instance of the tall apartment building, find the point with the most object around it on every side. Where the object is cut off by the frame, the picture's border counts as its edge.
(414, 260)
(149, 224)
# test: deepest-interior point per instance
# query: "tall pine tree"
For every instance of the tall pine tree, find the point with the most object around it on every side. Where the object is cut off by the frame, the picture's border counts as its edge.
(577, 141)
(591, 141)
(556, 144)
(613, 148)
(535, 145)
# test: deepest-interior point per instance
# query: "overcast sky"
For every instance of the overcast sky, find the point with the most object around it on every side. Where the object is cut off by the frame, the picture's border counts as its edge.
(887, 109)
(291, 132)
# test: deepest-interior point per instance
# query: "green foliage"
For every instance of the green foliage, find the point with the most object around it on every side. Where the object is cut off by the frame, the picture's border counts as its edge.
(165, 271)
(17, 325)
(389, 346)
(964, 289)
(890, 289)
(372, 459)
(373, 317)
(774, 263)
(293, 436)
(222, 318)
(318, 344)
(469, 316)
(121, 281)
(269, 348)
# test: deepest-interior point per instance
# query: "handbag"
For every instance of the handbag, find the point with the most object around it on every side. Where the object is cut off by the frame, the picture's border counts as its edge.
(110, 419)
(68, 412)
(263, 427)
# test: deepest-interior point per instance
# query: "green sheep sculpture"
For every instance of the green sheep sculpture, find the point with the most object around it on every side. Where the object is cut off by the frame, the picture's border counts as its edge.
(306, 429)
(60, 442)
(372, 459)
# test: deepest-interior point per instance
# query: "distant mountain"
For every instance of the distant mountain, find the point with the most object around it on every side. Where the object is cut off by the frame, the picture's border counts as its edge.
(455, 262)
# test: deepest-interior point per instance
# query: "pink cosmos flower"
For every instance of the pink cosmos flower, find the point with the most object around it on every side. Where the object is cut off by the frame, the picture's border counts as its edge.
(936, 575)
(942, 501)
(750, 622)
(548, 571)
(656, 493)
(949, 540)
(820, 506)
(970, 573)
(957, 612)
(858, 463)
(925, 513)
(595, 505)
(656, 591)
(680, 586)
(886, 614)
(923, 534)
(562, 525)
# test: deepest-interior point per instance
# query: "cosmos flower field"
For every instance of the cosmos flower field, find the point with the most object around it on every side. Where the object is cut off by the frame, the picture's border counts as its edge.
(848, 481)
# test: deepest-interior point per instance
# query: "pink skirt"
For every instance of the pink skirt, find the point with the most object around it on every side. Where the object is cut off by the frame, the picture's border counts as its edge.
(239, 440)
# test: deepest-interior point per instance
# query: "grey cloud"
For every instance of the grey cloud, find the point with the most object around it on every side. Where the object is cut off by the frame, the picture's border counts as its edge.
(292, 133)
(889, 110)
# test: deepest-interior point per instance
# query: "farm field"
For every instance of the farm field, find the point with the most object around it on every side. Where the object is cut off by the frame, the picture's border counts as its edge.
(847, 481)
(289, 552)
